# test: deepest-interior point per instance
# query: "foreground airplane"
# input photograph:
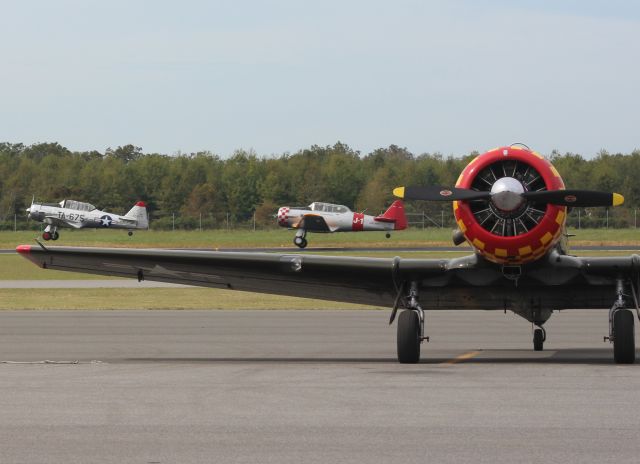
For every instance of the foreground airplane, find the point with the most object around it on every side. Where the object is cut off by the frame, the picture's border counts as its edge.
(79, 215)
(326, 217)
(510, 204)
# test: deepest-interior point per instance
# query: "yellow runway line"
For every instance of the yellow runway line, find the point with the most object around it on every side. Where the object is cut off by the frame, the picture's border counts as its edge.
(462, 357)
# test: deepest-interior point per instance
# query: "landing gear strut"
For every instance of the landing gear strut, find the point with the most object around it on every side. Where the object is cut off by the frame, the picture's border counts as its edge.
(410, 329)
(299, 240)
(621, 330)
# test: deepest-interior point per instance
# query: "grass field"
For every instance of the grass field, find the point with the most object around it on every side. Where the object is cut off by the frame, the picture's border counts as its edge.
(282, 238)
(155, 299)
(222, 238)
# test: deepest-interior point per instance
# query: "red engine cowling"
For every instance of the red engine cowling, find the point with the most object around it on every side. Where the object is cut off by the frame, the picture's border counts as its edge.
(524, 232)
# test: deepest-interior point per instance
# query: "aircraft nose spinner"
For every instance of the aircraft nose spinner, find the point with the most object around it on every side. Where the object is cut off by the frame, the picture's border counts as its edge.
(506, 194)
(33, 213)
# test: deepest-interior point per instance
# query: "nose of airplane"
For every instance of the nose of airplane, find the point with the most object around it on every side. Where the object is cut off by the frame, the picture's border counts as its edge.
(32, 213)
(283, 215)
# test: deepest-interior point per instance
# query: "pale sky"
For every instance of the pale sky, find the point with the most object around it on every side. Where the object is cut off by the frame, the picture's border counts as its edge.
(277, 76)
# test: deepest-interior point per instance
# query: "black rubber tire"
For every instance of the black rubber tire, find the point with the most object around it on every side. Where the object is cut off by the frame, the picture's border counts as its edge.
(299, 242)
(408, 337)
(304, 243)
(538, 339)
(388, 235)
(55, 236)
(624, 343)
(46, 235)
(129, 233)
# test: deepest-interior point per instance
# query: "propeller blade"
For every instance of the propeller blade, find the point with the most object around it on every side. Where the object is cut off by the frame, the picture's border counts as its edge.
(579, 198)
(435, 193)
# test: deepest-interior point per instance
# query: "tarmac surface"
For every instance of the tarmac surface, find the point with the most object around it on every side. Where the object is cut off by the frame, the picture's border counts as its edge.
(310, 386)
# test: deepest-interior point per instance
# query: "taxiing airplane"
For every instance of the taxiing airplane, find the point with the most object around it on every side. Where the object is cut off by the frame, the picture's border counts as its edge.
(510, 205)
(326, 217)
(79, 215)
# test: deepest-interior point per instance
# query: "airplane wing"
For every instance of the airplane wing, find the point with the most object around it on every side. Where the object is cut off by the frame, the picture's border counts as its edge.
(56, 221)
(347, 279)
(470, 282)
(314, 223)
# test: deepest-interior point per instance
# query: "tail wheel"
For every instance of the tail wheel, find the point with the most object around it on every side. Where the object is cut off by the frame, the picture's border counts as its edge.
(624, 344)
(55, 236)
(408, 337)
(46, 235)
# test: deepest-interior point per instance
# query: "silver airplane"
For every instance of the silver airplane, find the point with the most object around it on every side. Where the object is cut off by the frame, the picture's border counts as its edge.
(327, 217)
(79, 215)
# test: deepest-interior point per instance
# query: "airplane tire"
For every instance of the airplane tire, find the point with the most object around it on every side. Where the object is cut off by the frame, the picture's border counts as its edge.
(46, 235)
(304, 243)
(388, 235)
(624, 344)
(538, 340)
(408, 337)
(129, 233)
(55, 236)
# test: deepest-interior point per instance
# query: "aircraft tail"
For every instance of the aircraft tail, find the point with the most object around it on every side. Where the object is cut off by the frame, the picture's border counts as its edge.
(139, 214)
(394, 214)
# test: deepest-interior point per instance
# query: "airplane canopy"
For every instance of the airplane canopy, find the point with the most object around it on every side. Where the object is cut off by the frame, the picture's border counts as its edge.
(77, 205)
(328, 207)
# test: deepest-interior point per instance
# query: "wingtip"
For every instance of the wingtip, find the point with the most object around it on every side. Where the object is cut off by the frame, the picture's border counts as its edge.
(617, 199)
(23, 249)
(399, 192)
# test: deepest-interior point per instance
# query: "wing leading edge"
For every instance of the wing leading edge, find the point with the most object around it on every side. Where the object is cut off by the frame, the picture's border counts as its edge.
(554, 282)
(348, 279)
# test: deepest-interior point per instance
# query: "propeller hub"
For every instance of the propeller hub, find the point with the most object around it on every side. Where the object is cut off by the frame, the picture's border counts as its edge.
(506, 194)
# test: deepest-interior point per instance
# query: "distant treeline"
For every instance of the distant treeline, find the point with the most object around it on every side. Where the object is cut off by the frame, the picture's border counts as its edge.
(246, 185)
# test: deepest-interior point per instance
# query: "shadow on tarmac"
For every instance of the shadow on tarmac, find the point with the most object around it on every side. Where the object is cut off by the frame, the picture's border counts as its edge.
(599, 356)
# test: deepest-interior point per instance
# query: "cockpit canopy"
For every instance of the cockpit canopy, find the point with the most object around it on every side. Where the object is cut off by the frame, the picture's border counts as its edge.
(77, 205)
(328, 207)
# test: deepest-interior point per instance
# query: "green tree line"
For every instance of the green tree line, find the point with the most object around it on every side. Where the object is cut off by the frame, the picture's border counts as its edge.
(246, 185)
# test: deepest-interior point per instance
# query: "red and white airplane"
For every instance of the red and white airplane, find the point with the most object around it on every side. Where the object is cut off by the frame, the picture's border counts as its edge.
(510, 204)
(327, 217)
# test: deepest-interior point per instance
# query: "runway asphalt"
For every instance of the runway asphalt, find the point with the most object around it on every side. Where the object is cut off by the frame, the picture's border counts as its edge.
(310, 387)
